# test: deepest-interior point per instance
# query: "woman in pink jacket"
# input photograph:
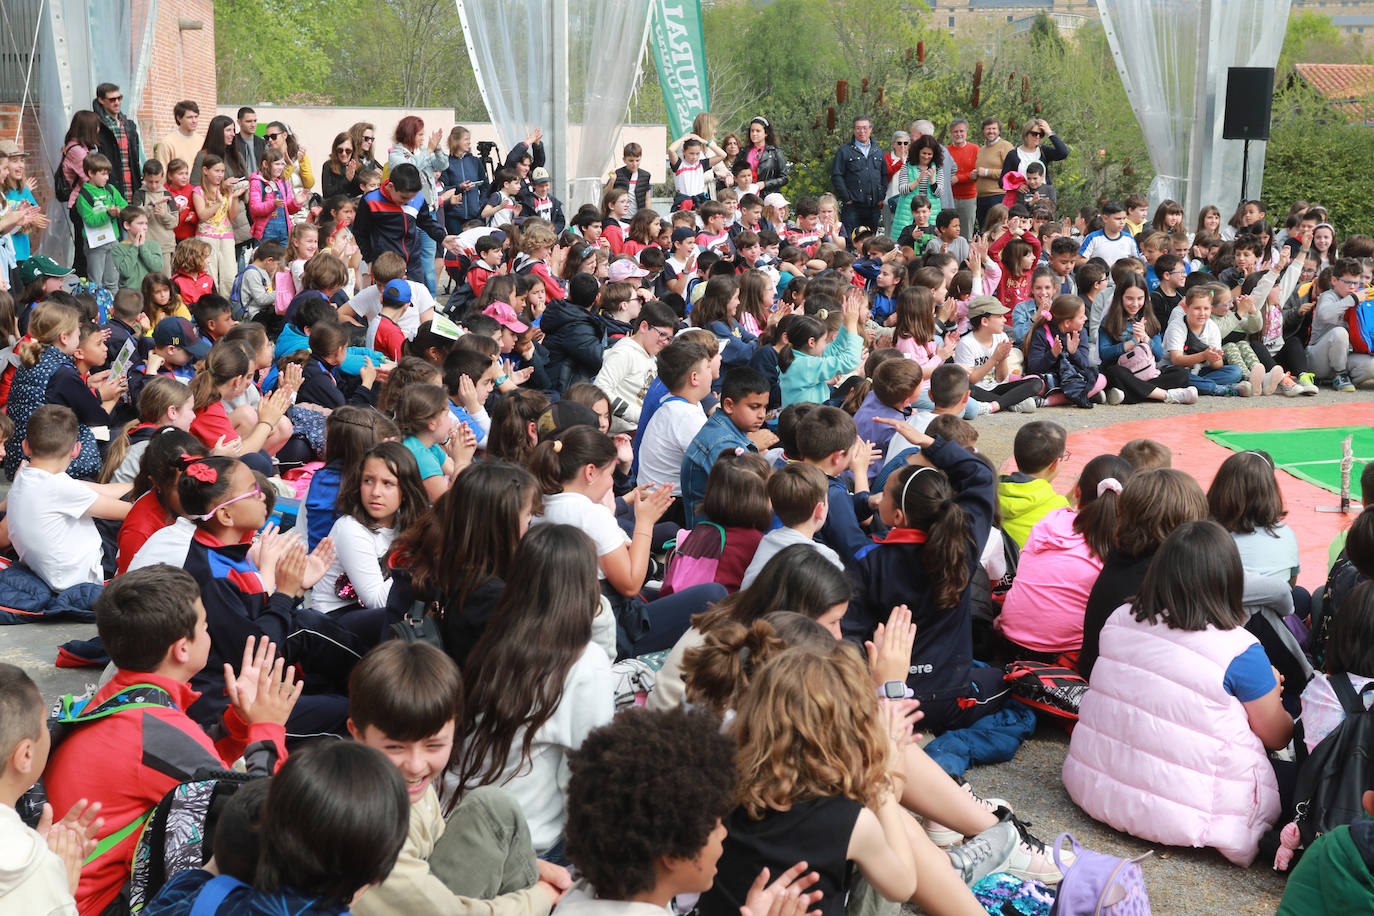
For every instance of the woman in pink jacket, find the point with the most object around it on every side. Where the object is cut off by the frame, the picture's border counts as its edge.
(270, 201)
(1171, 739)
(1043, 614)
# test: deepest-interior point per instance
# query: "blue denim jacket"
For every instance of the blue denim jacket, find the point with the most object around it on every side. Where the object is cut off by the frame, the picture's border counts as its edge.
(718, 435)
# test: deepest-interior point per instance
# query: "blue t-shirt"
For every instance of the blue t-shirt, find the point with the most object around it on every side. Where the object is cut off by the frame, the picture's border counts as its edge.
(1249, 676)
(429, 458)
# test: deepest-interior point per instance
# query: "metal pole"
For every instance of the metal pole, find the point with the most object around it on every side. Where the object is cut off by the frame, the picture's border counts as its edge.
(1244, 172)
(556, 141)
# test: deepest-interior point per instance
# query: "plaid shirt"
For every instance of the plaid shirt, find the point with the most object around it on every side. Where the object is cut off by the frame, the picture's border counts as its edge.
(116, 126)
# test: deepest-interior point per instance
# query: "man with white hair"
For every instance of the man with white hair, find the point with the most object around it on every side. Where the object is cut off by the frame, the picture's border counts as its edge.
(919, 129)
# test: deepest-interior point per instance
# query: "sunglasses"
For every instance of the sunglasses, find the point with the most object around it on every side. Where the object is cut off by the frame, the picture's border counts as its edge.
(343, 149)
(1037, 133)
(901, 142)
(273, 136)
(114, 98)
(367, 139)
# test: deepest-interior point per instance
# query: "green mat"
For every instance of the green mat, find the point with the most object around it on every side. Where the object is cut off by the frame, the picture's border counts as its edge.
(1313, 455)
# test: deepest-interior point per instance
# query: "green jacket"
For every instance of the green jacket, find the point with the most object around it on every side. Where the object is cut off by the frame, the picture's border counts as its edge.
(1025, 500)
(1334, 875)
(92, 203)
(136, 261)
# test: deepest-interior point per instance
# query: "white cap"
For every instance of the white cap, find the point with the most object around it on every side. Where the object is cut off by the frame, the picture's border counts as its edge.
(775, 200)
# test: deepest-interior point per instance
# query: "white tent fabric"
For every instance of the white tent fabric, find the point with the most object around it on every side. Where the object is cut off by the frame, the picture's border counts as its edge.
(75, 55)
(512, 45)
(1173, 56)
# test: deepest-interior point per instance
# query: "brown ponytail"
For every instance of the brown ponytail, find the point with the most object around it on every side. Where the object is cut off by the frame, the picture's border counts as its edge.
(225, 362)
(556, 460)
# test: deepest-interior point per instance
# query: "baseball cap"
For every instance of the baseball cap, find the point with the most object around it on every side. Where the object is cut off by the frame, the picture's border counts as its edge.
(506, 317)
(397, 291)
(681, 233)
(39, 266)
(10, 148)
(624, 269)
(775, 200)
(985, 305)
(539, 176)
(178, 332)
(563, 415)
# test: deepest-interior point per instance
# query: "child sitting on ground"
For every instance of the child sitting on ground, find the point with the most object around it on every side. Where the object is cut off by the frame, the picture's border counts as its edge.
(896, 384)
(404, 700)
(153, 625)
(51, 516)
(828, 439)
(743, 406)
(797, 493)
(1026, 495)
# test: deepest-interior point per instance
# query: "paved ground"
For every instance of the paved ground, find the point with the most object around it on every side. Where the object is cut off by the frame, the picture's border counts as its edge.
(1181, 882)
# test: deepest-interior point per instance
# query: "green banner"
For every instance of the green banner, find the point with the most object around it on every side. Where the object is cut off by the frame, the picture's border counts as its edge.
(679, 50)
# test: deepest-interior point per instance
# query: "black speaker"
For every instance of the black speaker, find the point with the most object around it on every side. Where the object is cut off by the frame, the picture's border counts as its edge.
(1249, 103)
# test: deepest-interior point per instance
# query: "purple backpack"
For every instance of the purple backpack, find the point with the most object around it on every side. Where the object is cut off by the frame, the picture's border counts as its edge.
(1096, 884)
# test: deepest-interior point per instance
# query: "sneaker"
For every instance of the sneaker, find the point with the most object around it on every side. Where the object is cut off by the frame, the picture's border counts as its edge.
(985, 407)
(1181, 395)
(1272, 379)
(1100, 397)
(1256, 378)
(980, 856)
(1029, 859)
(1308, 382)
(1289, 388)
(1026, 406)
(1226, 391)
(1115, 396)
(945, 837)
(1342, 382)
(1244, 390)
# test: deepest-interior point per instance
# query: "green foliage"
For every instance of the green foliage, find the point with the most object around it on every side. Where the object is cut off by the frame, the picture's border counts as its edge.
(1314, 39)
(1315, 153)
(272, 50)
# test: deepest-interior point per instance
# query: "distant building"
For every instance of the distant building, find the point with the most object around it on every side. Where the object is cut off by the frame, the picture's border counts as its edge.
(961, 15)
(1348, 87)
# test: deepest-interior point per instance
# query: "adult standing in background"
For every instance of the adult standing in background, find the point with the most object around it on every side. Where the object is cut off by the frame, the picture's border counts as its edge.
(963, 158)
(763, 157)
(183, 142)
(249, 144)
(859, 176)
(987, 169)
(410, 148)
(466, 175)
(1038, 144)
(364, 137)
(923, 128)
(118, 139)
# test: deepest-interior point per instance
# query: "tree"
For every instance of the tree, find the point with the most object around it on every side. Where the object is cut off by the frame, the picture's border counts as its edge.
(1314, 39)
(276, 49)
(406, 53)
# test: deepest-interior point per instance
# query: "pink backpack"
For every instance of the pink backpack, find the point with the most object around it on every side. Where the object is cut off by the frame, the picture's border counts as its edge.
(695, 559)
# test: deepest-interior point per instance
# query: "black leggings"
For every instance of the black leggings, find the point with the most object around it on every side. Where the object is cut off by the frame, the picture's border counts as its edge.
(1138, 389)
(1009, 393)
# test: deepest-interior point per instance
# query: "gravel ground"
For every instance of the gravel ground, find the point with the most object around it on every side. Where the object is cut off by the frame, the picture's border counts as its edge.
(1182, 882)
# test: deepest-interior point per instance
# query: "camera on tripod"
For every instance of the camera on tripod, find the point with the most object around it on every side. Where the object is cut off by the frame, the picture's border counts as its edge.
(486, 151)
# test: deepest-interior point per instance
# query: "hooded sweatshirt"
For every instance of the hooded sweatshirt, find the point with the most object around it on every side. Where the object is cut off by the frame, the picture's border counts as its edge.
(1044, 609)
(33, 880)
(1025, 500)
(1334, 876)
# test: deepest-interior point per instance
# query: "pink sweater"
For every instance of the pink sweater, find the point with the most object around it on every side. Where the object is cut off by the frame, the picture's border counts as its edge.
(264, 197)
(1056, 571)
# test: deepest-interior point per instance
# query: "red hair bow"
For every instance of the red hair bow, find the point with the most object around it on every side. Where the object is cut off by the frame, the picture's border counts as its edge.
(203, 472)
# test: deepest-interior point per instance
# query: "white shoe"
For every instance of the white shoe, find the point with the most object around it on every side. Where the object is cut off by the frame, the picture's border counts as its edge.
(1256, 379)
(1029, 859)
(945, 837)
(1181, 395)
(1289, 388)
(984, 408)
(1115, 396)
(1100, 397)
(1026, 406)
(1273, 378)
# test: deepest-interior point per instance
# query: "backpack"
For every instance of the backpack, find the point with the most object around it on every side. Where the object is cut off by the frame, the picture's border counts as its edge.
(420, 625)
(61, 187)
(1053, 689)
(1333, 778)
(1096, 884)
(697, 568)
(179, 833)
(1360, 319)
(239, 310)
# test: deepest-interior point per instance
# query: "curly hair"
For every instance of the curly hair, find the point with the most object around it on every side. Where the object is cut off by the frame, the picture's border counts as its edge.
(809, 727)
(611, 835)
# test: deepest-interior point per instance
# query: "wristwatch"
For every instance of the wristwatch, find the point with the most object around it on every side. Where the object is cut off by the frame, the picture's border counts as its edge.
(895, 690)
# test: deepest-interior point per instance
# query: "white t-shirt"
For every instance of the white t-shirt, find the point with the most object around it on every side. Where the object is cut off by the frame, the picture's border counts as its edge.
(970, 353)
(1097, 245)
(50, 529)
(670, 430)
(592, 519)
(773, 542)
(358, 553)
(166, 545)
(691, 179)
(368, 304)
(1274, 555)
(1176, 334)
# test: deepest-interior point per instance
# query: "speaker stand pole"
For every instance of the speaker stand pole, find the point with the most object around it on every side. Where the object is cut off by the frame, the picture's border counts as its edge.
(1244, 172)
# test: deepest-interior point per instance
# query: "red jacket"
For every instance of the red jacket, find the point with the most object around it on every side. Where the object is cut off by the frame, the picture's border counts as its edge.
(130, 760)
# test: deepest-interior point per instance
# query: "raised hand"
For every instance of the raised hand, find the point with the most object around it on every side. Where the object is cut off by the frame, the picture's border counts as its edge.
(651, 502)
(889, 652)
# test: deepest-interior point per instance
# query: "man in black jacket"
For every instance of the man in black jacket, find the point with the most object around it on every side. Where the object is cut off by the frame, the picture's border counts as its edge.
(118, 139)
(249, 143)
(860, 178)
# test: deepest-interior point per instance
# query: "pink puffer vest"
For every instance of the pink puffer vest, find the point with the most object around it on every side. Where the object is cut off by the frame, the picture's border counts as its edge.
(1161, 750)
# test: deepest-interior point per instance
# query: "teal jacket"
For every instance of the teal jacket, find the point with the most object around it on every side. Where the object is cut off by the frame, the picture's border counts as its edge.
(808, 377)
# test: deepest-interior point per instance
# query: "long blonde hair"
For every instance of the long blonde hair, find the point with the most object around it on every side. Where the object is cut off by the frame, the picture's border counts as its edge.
(808, 726)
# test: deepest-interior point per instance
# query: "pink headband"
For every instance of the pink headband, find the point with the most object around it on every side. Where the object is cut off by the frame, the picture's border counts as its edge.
(1109, 483)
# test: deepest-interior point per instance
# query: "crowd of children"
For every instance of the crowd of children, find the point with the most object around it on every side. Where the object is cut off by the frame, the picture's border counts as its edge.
(719, 461)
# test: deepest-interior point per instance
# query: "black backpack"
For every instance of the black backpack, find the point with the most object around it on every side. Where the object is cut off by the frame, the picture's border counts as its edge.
(1332, 781)
(61, 187)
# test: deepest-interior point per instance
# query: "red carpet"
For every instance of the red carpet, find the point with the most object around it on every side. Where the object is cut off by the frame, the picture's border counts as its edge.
(1197, 455)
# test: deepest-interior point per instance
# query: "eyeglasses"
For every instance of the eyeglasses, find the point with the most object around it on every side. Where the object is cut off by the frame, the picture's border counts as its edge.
(663, 335)
(343, 149)
(273, 136)
(901, 142)
(256, 492)
(1349, 281)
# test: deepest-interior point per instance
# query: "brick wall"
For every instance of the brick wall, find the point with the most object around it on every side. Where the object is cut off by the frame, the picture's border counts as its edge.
(183, 67)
